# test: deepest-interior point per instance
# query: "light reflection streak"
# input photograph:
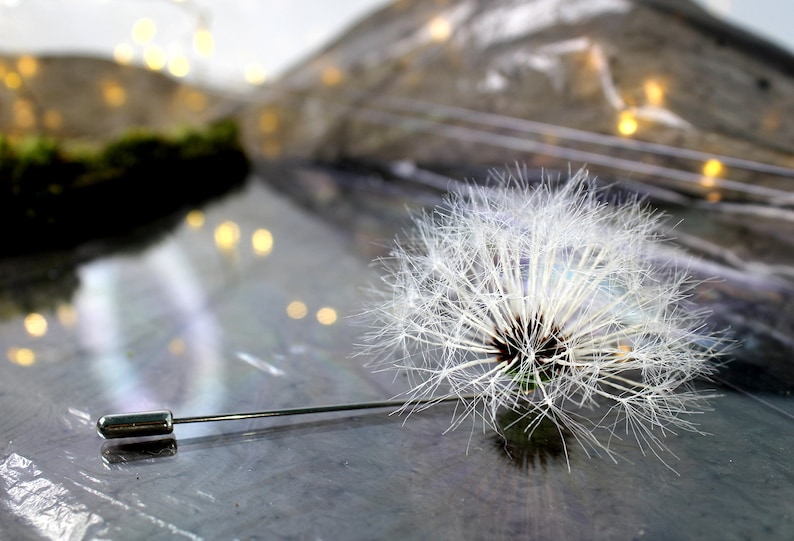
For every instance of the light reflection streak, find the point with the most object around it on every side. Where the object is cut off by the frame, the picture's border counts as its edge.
(260, 364)
(102, 309)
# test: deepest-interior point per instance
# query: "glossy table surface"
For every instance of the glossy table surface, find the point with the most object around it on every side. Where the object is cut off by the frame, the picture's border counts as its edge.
(213, 318)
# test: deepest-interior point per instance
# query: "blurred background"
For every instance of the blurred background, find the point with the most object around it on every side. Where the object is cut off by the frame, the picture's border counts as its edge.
(233, 45)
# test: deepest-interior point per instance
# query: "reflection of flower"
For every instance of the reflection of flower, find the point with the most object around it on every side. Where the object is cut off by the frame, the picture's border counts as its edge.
(543, 301)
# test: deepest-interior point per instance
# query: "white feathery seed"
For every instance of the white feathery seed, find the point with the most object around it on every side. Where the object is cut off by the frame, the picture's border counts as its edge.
(545, 301)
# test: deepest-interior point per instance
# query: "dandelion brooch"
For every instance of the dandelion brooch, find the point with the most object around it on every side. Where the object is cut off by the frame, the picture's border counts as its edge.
(545, 302)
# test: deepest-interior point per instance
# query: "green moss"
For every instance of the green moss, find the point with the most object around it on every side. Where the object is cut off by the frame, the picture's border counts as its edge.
(58, 198)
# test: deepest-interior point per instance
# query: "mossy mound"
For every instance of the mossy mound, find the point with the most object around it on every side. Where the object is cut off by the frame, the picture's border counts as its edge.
(52, 198)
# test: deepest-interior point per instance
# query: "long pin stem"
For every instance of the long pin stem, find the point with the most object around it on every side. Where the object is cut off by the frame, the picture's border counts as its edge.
(161, 422)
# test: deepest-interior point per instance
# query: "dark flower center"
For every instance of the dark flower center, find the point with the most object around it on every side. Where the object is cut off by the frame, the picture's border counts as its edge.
(515, 344)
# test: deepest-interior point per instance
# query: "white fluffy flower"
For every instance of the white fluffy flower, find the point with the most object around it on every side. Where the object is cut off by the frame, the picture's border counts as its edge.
(544, 301)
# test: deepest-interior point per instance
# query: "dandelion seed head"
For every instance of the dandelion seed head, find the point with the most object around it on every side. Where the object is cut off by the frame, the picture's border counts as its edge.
(547, 302)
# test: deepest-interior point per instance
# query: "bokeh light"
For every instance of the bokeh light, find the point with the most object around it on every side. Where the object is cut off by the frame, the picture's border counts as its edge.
(143, 31)
(12, 80)
(195, 219)
(654, 92)
(262, 242)
(177, 346)
(21, 356)
(27, 65)
(203, 42)
(227, 235)
(297, 310)
(154, 57)
(255, 73)
(113, 93)
(331, 76)
(627, 123)
(35, 324)
(326, 315)
(123, 53)
(440, 29)
(178, 66)
(66, 314)
(712, 168)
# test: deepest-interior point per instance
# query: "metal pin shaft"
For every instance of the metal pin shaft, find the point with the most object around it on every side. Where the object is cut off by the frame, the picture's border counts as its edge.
(161, 422)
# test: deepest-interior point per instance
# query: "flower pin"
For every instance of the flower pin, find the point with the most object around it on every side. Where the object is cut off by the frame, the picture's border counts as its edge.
(549, 303)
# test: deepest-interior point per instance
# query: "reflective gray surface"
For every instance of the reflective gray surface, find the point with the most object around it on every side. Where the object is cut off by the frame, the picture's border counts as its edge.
(200, 323)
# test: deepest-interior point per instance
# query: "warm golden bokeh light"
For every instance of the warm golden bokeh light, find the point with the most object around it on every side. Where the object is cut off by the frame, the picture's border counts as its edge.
(12, 80)
(21, 356)
(227, 235)
(178, 66)
(623, 352)
(296, 310)
(24, 116)
(66, 314)
(707, 182)
(177, 346)
(627, 124)
(331, 76)
(268, 122)
(262, 242)
(196, 101)
(440, 29)
(203, 42)
(123, 53)
(154, 57)
(143, 31)
(326, 315)
(35, 325)
(255, 73)
(712, 168)
(654, 92)
(53, 119)
(27, 65)
(271, 148)
(195, 219)
(713, 197)
(113, 93)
